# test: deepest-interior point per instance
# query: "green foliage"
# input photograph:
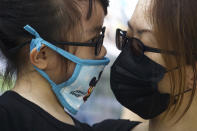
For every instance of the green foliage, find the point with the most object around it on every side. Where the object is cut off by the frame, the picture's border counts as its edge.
(5, 86)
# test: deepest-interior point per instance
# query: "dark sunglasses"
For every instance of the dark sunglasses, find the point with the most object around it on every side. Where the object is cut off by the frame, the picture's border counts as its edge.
(96, 42)
(136, 46)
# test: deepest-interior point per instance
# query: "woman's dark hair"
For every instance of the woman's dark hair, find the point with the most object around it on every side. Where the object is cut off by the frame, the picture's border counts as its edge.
(54, 20)
(175, 28)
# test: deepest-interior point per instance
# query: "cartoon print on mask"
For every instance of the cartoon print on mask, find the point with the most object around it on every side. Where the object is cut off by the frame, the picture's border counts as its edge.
(92, 84)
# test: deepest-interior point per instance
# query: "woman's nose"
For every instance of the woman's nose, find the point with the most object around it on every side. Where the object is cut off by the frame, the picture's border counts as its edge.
(102, 53)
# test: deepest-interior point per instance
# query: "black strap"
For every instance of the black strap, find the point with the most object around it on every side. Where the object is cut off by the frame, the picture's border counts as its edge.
(15, 49)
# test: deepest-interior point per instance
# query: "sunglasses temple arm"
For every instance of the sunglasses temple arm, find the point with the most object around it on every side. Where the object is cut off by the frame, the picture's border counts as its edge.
(75, 44)
(155, 50)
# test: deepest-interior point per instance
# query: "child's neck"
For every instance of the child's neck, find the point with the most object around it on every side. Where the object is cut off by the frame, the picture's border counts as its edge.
(37, 90)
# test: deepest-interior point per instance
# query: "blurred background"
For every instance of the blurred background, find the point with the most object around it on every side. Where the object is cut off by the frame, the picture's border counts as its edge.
(102, 103)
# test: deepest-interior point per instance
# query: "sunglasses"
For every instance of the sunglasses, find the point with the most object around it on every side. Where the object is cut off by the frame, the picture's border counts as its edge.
(136, 46)
(96, 42)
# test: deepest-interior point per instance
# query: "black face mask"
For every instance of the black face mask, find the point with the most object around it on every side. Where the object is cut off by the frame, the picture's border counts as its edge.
(134, 81)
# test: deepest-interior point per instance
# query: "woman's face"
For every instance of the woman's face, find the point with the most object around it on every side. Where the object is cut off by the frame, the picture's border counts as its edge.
(91, 29)
(140, 28)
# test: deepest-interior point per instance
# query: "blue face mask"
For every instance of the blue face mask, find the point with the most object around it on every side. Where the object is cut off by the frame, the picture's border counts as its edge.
(75, 91)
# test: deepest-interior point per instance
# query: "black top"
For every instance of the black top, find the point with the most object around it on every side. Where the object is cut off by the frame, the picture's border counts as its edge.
(19, 114)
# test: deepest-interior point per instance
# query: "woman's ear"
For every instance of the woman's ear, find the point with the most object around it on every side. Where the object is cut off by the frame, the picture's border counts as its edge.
(39, 59)
(189, 77)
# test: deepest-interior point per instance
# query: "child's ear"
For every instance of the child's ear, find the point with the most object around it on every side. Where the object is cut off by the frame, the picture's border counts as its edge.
(39, 59)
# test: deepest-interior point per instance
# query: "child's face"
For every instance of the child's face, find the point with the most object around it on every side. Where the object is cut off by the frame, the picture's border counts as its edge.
(91, 29)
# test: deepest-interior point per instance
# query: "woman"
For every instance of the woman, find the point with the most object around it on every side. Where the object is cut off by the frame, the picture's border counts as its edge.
(155, 75)
(55, 49)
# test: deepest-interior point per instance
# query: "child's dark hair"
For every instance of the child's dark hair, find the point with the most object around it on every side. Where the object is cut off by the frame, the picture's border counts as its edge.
(52, 19)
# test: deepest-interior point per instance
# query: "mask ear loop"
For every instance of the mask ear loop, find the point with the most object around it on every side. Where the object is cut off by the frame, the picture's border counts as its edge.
(172, 69)
(186, 91)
